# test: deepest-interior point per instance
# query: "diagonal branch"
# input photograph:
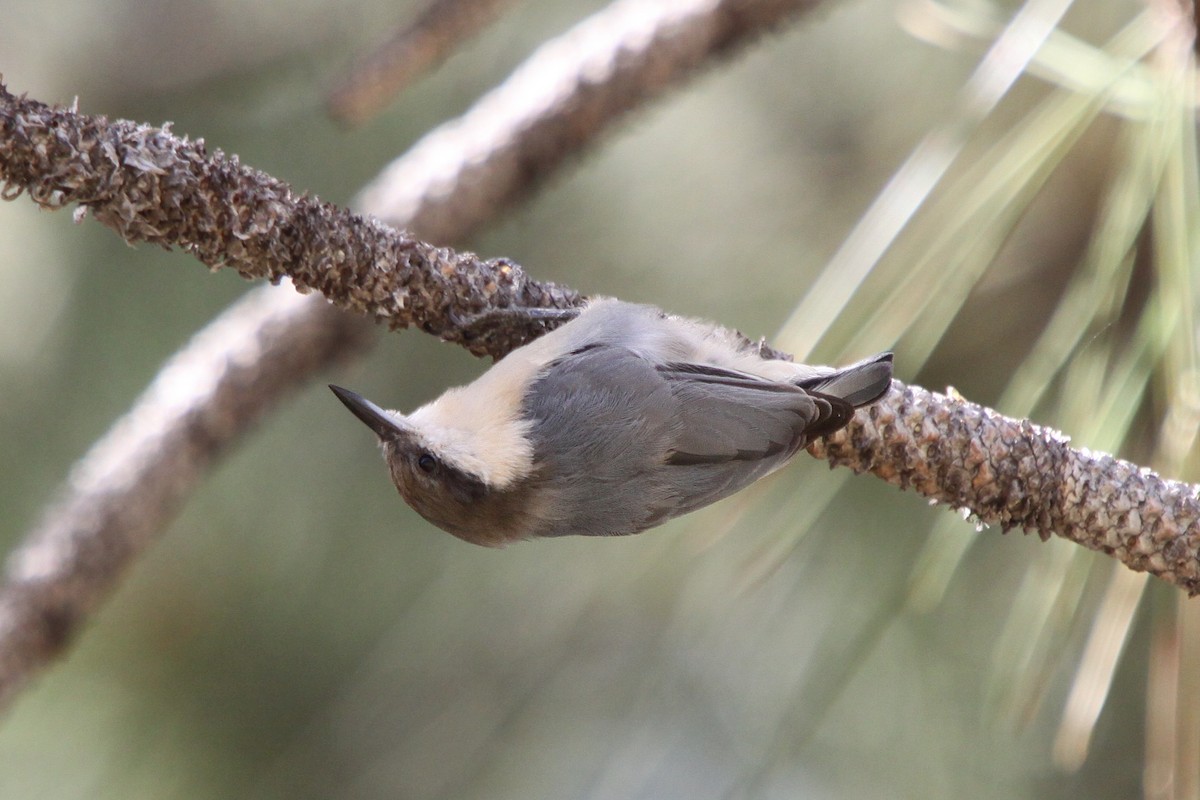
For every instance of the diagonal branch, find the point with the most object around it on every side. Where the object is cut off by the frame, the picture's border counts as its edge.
(152, 186)
(555, 103)
(47, 596)
(411, 51)
(1015, 474)
(116, 498)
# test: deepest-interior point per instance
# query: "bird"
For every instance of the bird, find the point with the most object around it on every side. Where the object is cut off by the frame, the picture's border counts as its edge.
(621, 419)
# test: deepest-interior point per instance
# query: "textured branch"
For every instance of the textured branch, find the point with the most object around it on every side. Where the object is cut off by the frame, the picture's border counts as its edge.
(151, 186)
(53, 585)
(1016, 474)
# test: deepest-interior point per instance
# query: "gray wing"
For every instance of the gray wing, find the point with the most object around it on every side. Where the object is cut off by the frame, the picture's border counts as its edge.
(735, 428)
(640, 443)
(732, 416)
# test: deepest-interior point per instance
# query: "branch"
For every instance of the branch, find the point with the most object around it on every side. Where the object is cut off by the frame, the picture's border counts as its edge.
(151, 186)
(48, 594)
(566, 93)
(411, 51)
(117, 497)
(1016, 474)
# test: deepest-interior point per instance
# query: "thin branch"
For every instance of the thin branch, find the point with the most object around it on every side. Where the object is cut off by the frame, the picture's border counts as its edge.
(1015, 474)
(41, 608)
(410, 52)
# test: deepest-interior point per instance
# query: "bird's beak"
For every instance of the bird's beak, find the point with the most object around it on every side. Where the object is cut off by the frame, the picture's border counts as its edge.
(385, 426)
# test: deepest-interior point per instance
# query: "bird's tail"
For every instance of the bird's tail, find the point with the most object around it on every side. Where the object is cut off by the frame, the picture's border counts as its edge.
(859, 384)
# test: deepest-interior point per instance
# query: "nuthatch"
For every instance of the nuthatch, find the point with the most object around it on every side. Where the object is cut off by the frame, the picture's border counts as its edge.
(615, 422)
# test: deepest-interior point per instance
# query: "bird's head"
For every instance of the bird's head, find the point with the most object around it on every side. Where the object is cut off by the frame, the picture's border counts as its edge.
(442, 471)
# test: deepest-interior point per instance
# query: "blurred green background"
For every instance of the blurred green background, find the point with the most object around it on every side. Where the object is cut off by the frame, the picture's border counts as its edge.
(299, 632)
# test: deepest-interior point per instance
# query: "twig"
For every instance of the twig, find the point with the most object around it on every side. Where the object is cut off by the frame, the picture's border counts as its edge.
(43, 607)
(411, 51)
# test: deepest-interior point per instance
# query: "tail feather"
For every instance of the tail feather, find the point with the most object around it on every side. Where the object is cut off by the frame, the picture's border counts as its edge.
(859, 384)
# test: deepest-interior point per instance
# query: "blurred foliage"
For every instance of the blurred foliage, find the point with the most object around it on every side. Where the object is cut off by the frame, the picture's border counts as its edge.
(300, 633)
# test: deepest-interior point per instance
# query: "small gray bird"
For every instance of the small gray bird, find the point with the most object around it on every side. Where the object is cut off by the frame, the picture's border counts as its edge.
(616, 422)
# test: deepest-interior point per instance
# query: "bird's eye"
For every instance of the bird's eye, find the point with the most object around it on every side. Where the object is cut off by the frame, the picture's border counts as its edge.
(426, 462)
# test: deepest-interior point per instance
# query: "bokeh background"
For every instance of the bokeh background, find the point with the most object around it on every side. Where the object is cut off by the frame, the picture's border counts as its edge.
(299, 632)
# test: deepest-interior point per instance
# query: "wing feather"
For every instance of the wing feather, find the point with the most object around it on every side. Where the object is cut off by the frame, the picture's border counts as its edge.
(730, 416)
